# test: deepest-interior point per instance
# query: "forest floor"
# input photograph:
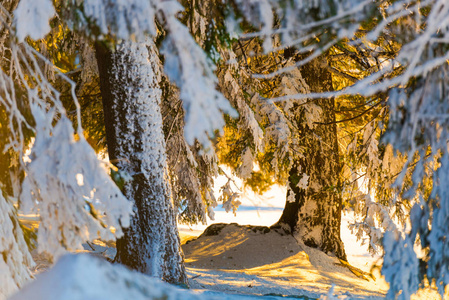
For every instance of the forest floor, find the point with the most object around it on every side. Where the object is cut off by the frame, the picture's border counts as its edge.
(246, 259)
(257, 260)
(250, 259)
(253, 260)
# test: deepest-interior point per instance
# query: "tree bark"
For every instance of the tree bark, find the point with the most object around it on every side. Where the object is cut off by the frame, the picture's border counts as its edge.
(129, 79)
(315, 214)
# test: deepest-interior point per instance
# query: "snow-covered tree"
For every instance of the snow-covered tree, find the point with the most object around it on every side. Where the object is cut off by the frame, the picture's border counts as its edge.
(390, 46)
(414, 77)
(75, 197)
(294, 142)
(313, 206)
(60, 178)
(401, 45)
(130, 83)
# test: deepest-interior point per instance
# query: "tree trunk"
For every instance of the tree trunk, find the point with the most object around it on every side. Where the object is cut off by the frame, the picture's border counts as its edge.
(315, 214)
(131, 94)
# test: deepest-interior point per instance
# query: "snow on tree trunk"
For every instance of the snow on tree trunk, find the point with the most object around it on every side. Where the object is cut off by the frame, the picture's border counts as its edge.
(131, 94)
(313, 214)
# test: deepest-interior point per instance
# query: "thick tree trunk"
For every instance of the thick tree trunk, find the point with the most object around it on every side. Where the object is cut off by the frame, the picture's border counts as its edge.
(131, 95)
(315, 214)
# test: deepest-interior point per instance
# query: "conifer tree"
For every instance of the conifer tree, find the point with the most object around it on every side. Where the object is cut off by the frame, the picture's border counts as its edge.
(131, 93)
(413, 76)
(314, 204)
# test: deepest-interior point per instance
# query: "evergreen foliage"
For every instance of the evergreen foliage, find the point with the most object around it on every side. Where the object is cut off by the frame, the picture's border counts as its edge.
(388, 61)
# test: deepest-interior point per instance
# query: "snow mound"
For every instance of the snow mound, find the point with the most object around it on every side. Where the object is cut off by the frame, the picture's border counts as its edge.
(263, 261)
(86, 277)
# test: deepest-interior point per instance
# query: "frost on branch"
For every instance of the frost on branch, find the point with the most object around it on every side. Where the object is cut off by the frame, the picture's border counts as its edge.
(260, 14)
(233, 91)
(419, 127)
(189, 173)
(31, 18)
(125, 19)
(65, 183)
(70, 189)
(400, 266)
(277, 132)
(376, 220)
(193, 72)
(416, 46)
(437, 239)
(16, 259)
(248, 124)
(301, 20)
(229, 198)
(186, 64)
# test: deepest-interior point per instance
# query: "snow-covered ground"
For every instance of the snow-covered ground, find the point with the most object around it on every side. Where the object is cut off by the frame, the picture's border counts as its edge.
(266, 210)
(237, 263)
(256, 260)
(307, 274)
(85, 277)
